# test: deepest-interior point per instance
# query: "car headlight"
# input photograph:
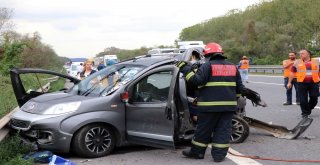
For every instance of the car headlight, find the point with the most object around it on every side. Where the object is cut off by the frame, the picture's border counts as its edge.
(62, 108)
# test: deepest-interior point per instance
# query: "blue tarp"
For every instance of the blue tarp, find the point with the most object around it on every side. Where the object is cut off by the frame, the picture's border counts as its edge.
(111, 62)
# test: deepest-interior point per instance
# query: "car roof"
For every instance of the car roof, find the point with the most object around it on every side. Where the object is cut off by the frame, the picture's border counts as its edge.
(147, 60)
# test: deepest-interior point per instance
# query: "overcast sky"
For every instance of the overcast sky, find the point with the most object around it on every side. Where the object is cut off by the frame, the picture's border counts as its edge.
(83, 28)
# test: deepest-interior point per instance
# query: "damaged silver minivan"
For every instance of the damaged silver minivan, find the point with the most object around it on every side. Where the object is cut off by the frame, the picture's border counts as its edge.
(141, 101)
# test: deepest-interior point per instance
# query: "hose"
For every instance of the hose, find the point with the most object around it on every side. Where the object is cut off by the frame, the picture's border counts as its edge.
(274, 159)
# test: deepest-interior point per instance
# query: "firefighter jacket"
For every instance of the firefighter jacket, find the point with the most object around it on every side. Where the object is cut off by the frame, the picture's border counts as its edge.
(218, 82)
(302, 70)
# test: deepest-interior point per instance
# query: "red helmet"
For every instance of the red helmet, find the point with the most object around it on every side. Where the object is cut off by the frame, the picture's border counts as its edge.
(212, 47)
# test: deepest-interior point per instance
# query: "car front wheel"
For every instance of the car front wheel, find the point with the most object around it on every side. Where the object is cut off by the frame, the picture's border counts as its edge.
(94, 140)
(240, 130)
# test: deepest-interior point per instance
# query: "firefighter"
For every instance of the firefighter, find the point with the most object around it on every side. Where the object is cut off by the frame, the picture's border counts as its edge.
(218, 82)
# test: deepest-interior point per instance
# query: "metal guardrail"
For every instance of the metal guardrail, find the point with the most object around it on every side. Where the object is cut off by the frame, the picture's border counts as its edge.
(4, 120)
(270, 69)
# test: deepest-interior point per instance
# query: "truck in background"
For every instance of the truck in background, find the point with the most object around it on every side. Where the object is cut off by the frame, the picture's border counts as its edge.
(184, 45)
(110, 59)
(163, 50)
(97, 60)
(106, 59)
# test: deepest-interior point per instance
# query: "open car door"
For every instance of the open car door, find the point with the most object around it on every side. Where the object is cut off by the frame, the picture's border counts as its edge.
(41, 81)
(151, 109)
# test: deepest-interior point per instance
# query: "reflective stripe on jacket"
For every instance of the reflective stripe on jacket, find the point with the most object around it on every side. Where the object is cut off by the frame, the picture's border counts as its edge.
(218, 82)
(244, 64)
(302, 71)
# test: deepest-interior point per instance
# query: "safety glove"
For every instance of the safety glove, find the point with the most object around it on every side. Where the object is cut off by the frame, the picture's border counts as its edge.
(184, 67)
(195, 65)
(253, 96)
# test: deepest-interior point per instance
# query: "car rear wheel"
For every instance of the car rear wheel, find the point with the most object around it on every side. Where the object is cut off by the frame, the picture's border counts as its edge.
(94, 140)
(240, 130)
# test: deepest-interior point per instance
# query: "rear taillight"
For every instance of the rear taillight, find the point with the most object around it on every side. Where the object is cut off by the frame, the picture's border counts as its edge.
(124, 97)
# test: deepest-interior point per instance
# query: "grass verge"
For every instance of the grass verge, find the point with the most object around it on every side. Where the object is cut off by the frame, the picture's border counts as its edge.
(8, 100)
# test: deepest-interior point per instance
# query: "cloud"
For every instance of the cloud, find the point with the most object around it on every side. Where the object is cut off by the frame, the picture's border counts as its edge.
(84, 28)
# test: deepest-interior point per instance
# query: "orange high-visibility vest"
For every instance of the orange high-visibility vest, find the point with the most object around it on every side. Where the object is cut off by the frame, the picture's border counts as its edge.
(244, 64)
(286, 72)
(302, 70)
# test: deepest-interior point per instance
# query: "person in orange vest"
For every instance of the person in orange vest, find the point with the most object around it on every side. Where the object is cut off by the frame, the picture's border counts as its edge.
(243, 68)
(287, 65)
(307, 73)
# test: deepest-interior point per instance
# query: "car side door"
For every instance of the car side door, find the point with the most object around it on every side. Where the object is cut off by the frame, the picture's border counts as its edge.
(151, 110)
(28, 83)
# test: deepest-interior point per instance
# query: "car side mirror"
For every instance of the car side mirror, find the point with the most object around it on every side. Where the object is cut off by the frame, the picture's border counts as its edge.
(124, 97)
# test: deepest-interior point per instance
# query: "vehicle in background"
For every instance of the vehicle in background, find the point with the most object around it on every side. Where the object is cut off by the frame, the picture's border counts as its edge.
(184, 45)
(97, 60)
(74, 64)
(163, 50)
(110, 57)
(73, 70)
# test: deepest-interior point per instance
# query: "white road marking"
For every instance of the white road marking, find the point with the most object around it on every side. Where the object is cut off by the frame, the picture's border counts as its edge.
(272, 84)
(263, 76)
(241, 160)
(265, 83)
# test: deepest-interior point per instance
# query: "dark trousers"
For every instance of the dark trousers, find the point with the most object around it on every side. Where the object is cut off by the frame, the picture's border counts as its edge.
(213, 128)
(289, 91)
(305, 90)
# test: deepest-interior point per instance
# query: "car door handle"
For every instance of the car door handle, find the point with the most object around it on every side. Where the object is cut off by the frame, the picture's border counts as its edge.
(168, 113)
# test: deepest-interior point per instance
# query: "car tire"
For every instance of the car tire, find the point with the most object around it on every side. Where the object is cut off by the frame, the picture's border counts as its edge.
(95, 140)
(240, 130)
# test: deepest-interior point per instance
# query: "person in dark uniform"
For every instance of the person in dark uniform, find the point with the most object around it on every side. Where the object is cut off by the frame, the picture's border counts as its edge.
(219, 83)
(191, 91)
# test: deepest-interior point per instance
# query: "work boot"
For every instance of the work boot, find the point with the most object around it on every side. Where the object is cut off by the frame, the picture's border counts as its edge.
(218, 159)
(287, 103)
(193, 155)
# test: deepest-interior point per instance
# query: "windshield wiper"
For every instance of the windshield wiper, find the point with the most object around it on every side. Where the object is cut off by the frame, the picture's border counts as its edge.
(94, 85)
(115, 83)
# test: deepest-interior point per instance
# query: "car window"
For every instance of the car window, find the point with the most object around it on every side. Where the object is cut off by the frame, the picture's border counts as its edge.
(43, 83)
(153, 88)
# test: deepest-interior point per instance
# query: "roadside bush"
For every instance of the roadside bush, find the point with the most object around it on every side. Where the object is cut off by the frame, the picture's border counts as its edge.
(11, 152)
(11, 57)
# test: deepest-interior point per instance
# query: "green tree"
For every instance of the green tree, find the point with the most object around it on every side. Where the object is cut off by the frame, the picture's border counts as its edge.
(265, 31)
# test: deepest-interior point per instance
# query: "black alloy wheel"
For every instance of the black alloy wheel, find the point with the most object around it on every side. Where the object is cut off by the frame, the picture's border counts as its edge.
(94, 141)
(240, 130)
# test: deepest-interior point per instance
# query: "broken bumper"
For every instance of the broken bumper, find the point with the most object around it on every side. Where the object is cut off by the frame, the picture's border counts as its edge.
(42, 130)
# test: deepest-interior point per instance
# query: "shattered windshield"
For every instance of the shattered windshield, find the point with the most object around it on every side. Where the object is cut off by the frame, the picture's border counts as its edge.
(105, 81)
